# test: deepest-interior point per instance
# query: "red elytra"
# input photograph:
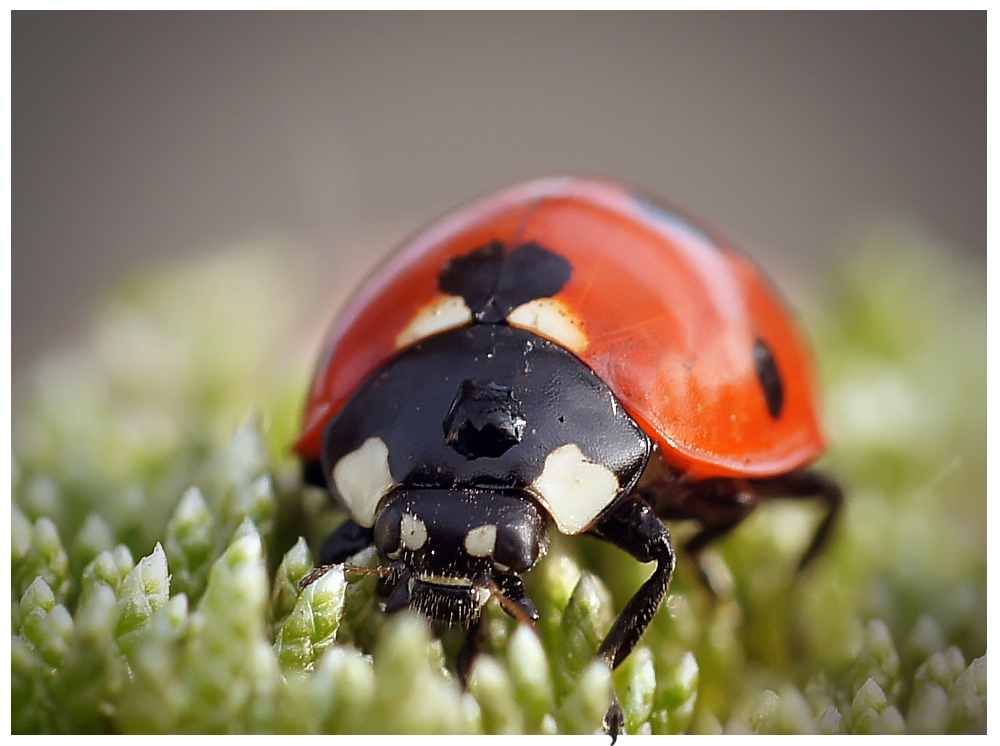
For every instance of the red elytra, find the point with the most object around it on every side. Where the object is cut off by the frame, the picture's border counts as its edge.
(669, 315)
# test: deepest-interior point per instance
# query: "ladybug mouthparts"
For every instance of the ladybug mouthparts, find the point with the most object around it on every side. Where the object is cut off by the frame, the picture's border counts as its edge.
(450, 548)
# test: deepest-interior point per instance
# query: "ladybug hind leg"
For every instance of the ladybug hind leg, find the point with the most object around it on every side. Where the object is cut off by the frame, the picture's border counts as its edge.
(720, 505)
(809, 485)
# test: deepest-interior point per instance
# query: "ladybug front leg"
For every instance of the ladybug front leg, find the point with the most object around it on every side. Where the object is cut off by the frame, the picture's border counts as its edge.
(509, 591)
(345, 542)
(634, 527)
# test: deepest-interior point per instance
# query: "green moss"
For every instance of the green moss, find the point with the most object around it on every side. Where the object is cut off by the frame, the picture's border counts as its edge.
(158, 537)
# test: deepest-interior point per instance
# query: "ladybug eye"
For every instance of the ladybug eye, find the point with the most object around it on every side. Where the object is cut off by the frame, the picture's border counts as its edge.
(388, 529)
(519, 544)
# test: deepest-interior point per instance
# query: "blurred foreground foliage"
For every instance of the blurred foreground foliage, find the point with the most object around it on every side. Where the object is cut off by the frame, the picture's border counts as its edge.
(159, 531)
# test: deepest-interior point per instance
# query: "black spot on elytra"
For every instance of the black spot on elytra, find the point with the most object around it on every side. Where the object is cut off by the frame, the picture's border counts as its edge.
(769, 377)
(493, 283)
(474, 275)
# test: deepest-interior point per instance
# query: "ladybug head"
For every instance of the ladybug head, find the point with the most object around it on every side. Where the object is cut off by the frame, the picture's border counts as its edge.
(458, 452)
(451, 546)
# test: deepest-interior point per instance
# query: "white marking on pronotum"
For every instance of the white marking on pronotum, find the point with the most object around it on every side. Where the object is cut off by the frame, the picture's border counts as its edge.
(412, 532)
(363, 478)
(447, 312)
(574, 489)
(552, 319)
(479, 542)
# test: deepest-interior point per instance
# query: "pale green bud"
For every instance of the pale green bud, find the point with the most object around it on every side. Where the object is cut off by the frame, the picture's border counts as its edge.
(676, 695)
(493, 689)
(294, 566)
(929, 711)
(95, 536)
(145, 589)
(344, 688)
(530, 676)
(584, 709)
(635, 682)
(190, 542)
(312, 626)
(107, 568)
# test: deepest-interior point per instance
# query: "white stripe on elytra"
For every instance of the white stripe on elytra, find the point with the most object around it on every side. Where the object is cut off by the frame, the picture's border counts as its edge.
(447, 312)
(551, 319)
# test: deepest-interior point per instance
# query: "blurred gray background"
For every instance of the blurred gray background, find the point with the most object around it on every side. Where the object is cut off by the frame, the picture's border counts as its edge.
(142, 138)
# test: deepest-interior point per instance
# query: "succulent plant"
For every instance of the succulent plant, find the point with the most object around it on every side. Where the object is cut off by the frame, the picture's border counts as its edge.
(158, 537)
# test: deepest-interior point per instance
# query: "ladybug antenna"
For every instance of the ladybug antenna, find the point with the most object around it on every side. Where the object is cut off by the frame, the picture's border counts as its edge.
(322, 570)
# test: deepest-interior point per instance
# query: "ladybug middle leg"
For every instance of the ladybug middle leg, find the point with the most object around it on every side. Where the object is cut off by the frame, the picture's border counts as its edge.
(467, 654)
(509, 591)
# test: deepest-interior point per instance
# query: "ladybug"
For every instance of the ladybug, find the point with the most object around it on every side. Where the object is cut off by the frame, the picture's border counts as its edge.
(567, 352)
